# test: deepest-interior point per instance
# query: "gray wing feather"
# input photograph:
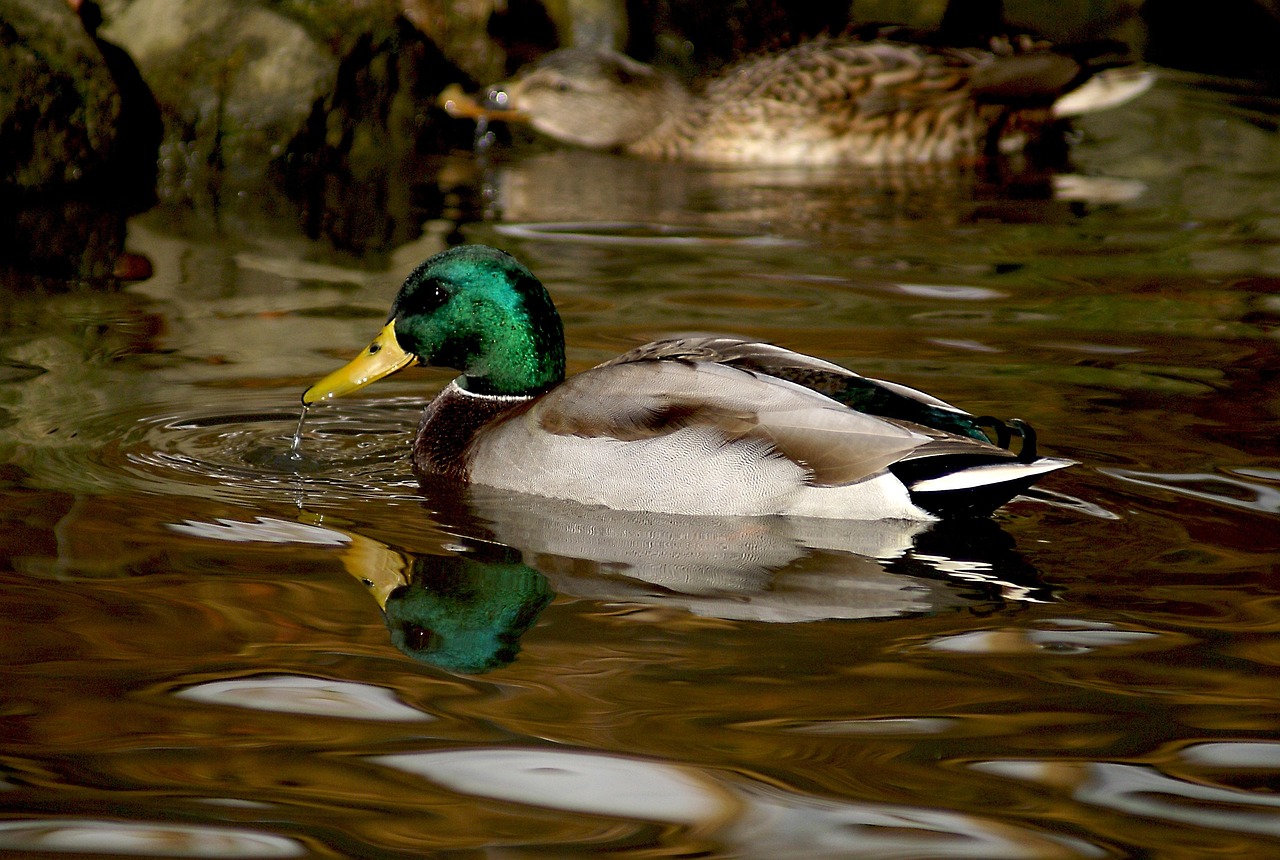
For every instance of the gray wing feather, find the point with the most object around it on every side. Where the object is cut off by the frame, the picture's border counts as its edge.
(646, 398)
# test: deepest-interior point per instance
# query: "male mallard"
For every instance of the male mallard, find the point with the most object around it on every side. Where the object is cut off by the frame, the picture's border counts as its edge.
(694, 425)
(828, 101)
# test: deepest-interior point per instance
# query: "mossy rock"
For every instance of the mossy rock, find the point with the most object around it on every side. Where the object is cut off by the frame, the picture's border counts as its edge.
(59, 105)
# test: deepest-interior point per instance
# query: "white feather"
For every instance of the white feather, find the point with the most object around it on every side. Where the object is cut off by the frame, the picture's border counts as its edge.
(1107, 89)
(985, 476)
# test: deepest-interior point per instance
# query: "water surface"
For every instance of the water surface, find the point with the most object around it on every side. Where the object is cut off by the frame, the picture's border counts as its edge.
(213, 649)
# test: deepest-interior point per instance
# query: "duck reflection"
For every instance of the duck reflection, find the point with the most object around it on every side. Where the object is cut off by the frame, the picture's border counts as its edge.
(467, 612)
(779, 569)
(595, 188)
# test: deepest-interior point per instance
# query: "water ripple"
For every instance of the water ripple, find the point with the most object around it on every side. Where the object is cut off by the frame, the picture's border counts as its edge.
(81, 836)
(298, 694)
(1207, 487)
(1146, 793)
(1058, 636)
(573, 780)
(358, 451)
(639, 234)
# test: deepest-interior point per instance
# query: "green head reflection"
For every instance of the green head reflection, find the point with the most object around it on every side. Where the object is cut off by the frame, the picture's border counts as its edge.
(466, 614)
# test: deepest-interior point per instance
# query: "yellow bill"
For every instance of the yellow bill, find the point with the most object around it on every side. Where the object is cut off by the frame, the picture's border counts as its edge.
(381, 358)
(459, 105)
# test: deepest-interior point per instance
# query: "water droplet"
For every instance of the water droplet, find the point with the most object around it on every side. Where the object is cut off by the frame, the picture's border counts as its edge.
(294, 454)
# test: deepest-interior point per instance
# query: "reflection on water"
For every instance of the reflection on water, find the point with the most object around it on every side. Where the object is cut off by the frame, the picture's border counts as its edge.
(467, 612)
(213, 649)
(1145, 793)
(155, 840)
(636, 235)
(574, 781)
(465, 615)
(291, 694)
(1224, 490)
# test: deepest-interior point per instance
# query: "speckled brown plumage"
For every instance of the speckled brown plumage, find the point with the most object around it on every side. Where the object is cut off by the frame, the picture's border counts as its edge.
(828, 101)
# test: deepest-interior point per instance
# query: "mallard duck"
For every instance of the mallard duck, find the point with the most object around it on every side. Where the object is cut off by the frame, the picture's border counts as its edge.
(828, 101)
(690, 425)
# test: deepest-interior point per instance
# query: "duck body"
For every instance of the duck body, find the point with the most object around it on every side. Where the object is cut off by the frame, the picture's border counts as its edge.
(831, 101)
(695, 425)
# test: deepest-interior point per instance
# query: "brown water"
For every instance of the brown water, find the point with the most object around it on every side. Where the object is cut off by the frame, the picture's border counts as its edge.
(197, 660)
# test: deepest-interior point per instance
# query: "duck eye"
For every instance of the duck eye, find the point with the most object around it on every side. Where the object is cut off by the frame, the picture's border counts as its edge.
(432, 295)
(417, 638)
(562, 86)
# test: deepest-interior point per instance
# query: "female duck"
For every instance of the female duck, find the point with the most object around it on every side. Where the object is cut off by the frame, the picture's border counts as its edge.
(698, 425)
(826, 102)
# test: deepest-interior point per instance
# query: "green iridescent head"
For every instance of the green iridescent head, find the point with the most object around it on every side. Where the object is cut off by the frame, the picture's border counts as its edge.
(473, 308)
(464, 614)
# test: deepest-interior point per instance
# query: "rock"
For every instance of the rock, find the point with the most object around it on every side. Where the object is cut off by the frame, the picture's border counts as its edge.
(248, 86)
(59, 105)
(362, 169)
(235, 82)
(52, 242)
(79, 132)
(461, 30)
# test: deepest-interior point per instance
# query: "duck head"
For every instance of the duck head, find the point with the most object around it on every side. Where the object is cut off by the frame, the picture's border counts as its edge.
(472, 308)
(589, 97)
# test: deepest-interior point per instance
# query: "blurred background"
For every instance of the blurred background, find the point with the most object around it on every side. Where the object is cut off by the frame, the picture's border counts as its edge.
(321, 117)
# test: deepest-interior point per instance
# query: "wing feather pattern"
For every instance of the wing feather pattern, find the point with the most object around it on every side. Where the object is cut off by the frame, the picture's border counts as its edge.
(649, 398)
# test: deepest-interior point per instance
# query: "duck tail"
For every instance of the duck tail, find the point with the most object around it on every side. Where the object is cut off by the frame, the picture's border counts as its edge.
(1106, 89)
(963, 484)
(976, 491)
